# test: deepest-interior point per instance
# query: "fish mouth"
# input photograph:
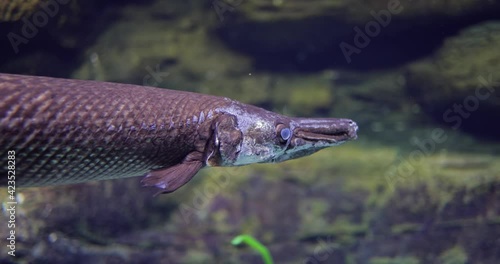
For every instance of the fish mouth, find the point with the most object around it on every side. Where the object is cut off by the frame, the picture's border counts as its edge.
(327, 130)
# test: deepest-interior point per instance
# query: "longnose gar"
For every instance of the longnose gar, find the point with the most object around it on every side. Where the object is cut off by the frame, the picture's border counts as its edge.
(68, 131)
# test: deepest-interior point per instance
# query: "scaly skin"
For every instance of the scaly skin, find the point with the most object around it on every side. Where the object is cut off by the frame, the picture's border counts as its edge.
(69, 131)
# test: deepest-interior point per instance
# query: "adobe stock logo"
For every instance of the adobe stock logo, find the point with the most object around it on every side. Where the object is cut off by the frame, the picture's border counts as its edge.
(222, 7)
(155, 76)
(203, 196)
(484, 90)
(372, 29)
(31, 26)
(406, 166)
(323, 251)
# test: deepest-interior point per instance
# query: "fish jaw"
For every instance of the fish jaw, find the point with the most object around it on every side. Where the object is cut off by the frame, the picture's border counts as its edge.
(313, 134)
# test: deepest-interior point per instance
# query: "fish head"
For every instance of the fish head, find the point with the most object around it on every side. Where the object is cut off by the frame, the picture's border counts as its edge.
(305, 136)
(267, 137)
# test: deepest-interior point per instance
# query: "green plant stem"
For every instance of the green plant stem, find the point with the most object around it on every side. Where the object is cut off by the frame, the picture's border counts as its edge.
(256, 245)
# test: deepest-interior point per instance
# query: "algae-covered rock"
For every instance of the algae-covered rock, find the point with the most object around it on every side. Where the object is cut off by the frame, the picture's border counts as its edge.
(455, 255)
(171, 49)
(315, 210)
(300, 34)
(43, 37)
(396, 260)
(15, 10)
(460, 85)
(349, 11)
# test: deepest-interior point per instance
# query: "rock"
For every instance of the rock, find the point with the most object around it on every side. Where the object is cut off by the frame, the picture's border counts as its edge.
(299, 34)
(460, 85)
(165, 44)
(314, 209)
(15, 10)
(50, 29)
(356, 12)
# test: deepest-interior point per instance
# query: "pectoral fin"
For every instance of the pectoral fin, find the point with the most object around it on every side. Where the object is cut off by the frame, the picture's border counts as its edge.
(172, 178)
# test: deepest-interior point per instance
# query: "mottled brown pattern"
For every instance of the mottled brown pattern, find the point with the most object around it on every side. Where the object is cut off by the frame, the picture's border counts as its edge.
(69, 131)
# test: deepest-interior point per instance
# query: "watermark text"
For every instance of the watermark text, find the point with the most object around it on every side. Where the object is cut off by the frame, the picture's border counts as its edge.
(10, 205)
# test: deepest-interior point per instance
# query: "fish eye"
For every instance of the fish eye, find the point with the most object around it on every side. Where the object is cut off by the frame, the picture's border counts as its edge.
(285, 133)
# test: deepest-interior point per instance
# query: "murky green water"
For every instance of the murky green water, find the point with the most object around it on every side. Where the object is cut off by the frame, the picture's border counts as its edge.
(420, 185)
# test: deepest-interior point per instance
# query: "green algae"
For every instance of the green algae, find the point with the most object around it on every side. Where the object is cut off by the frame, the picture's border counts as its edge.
(405, 228)
(396, 260)
(312, 213)
(454, 255)
(196, 256)
(15, 10)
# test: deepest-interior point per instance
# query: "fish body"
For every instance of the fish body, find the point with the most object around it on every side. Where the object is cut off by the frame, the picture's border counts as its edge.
(69, 131)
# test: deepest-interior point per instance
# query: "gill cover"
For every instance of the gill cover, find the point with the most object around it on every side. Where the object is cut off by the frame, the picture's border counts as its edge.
(226, 141)
(222, 148)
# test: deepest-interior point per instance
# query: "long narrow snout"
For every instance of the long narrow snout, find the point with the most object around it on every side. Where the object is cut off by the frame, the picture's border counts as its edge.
(328, 131)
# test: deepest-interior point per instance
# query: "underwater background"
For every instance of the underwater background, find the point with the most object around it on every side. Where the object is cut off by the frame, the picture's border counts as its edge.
(420, 77)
